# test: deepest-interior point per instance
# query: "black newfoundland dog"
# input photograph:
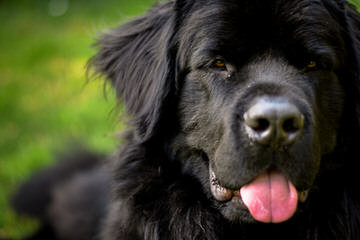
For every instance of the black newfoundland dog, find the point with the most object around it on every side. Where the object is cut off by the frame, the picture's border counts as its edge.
(244, 125)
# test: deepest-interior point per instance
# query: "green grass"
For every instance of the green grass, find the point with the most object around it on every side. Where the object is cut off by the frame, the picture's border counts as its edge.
(45, 104)
(356, 3)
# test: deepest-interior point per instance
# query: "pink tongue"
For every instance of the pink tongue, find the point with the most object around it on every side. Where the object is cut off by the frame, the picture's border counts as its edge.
(270, 197)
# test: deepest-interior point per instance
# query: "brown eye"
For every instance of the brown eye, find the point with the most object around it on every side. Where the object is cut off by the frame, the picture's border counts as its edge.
(219, 64)
(312, 65)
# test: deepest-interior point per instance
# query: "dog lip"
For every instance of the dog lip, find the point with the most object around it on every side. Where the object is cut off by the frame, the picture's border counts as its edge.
(223, 194)
(303, 195)
(219, 192)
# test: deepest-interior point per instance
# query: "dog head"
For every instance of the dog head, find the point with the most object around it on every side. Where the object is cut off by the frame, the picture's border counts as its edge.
(261, 92)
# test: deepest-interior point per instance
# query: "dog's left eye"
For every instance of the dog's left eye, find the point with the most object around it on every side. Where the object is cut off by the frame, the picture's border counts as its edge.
(219, 64)
(310, 66)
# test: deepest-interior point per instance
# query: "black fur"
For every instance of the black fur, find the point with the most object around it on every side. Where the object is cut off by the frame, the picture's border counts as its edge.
(187, 116)
(46, 197)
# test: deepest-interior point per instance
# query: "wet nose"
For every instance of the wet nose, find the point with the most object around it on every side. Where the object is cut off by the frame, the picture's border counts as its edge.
(274, 122)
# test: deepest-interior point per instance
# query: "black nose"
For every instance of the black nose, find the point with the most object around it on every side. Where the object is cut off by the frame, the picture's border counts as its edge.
(274, 122)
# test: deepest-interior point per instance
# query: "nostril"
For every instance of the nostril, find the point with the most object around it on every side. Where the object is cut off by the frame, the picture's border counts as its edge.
(290, 129)
(258, 126)
(291, 125)
(256, 122)
(262, 125)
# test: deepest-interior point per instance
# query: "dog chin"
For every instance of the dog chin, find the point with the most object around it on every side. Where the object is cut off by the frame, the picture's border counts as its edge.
(233, 213)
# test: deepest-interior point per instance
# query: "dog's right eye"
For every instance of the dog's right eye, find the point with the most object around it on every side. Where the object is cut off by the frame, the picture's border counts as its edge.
(310, 66)
(219, 64)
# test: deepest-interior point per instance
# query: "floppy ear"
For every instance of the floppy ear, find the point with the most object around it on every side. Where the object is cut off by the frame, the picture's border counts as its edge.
(136, 58)
(353, 129)
(353, 32)
(349, 19)
(351, 78)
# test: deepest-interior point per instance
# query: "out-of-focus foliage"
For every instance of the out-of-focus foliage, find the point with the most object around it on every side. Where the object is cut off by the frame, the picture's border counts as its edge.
(45, 103)
(356, 3)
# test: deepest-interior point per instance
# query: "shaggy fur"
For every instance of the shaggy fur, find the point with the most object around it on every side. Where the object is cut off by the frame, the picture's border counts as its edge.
(189, 72)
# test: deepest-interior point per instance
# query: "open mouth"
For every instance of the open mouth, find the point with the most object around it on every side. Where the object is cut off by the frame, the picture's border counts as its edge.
(270, 197)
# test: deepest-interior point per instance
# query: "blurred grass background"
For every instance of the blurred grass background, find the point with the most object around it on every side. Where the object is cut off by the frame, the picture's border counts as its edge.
(45, 104)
